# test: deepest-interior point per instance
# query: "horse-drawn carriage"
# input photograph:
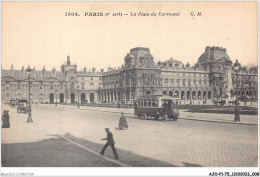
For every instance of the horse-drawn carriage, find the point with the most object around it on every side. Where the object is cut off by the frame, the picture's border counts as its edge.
(12, 103)
(22, 105)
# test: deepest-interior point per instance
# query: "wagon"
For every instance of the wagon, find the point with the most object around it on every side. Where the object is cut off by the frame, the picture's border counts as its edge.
(157, 107)
(22, 105)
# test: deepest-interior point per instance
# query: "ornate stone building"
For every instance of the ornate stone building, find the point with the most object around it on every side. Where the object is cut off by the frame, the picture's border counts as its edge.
(211, 77)
(67, 85)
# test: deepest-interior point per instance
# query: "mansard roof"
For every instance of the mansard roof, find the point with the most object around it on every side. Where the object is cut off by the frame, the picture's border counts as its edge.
(35, 74)
(213, 53)
(172, 62)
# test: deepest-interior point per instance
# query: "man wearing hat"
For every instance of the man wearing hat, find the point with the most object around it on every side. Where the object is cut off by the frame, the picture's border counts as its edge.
(5, 118)
(110, 142)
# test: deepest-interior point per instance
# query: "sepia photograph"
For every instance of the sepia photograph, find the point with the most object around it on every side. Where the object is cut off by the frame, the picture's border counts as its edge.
(129, 84)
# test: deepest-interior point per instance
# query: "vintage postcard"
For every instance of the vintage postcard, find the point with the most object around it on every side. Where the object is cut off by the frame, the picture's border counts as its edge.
(130, 84)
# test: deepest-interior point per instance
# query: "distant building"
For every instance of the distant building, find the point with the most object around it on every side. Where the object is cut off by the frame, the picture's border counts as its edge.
(211, 77)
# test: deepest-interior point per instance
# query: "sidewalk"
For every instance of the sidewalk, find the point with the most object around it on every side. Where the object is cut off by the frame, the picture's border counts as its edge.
(219, 118)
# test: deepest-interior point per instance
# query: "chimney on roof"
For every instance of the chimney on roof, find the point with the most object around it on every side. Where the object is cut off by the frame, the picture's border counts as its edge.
(44, 71)
(68, 60)
(54, 71)
(93, 69)
(102, 70)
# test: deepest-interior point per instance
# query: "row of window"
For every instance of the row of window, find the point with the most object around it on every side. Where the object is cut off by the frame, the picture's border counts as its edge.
(45, 86)
(148, 103)
(166, 81)
(34, 86)
(245, 77)
(156, 82)
(189, 74)
(92, 78)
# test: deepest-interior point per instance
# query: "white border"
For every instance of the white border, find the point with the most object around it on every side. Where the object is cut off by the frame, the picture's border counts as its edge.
(128, 171)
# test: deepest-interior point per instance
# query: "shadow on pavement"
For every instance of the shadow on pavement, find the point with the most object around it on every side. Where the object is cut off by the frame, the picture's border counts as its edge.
(58, 152)
(191, 165)
(53, 152)
(127, 157)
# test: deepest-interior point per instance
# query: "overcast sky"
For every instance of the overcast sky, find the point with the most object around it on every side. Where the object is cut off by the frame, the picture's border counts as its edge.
(39, 33)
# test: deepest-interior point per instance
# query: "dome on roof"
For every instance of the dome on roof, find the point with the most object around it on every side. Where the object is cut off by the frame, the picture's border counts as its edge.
(213, 53)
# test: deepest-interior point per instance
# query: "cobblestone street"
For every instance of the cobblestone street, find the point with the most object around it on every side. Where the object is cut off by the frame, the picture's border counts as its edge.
(181, 143)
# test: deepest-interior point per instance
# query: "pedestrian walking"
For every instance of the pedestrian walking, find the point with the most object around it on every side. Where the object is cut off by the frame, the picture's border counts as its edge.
(5, 118)
(122, 122)
(110, 142)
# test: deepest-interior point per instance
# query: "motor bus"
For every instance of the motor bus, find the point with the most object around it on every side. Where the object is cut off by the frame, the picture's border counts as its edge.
(157, 107)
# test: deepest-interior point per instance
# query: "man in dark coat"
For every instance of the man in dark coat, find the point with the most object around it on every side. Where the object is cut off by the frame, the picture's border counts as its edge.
(122, 122)
(110, 142)
(5, 118)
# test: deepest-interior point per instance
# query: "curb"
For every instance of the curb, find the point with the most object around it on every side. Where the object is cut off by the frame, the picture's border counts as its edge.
(229, 122)
(184, 118)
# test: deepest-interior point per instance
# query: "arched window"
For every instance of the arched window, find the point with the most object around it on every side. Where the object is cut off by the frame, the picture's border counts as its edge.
(182, 94)
(177, 93)
(188, 94)
(199, 94)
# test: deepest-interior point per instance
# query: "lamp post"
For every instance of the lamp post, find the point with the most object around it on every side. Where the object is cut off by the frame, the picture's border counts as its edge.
(78, 96)
(56, 97)
(237, 117)
(29, 120)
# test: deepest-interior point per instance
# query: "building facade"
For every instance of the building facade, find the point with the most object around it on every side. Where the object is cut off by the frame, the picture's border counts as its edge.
(213, 76)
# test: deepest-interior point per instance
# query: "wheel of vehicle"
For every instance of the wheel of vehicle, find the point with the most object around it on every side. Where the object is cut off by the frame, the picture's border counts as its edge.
(156, 117)
(164, 117)
(144, 116)
(175, 118)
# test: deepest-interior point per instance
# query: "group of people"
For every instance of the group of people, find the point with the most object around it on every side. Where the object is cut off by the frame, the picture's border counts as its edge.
(110, 141)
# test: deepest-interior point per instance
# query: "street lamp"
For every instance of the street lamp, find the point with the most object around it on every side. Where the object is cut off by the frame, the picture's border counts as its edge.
(29, 120)
(56, 97)
(237, 117)
(78, 96)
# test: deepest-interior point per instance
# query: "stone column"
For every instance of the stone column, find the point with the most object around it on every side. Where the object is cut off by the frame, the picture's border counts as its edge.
(105, 95)
(108, 96)
(130, 95)
(125, 94)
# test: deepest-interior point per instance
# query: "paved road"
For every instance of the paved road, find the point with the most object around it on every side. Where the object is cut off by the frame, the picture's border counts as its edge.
(145, 143)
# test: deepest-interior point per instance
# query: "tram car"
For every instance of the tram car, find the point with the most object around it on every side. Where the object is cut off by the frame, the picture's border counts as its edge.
(157, 107)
